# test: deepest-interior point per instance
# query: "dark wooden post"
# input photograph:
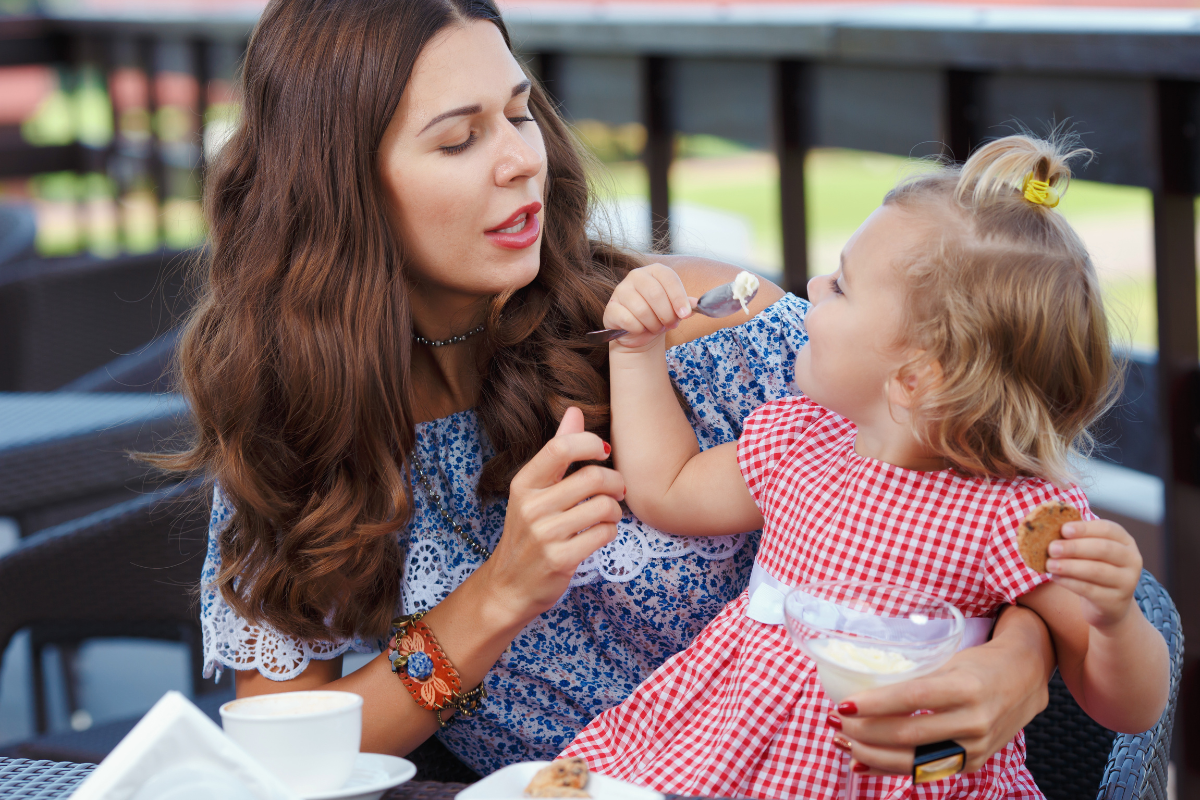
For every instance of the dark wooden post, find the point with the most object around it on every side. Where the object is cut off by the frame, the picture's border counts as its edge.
(548, 67)
(1179, 400)
(202, 71)
(148, 61)
(89, 50)
(659, 119)
(963, 113)
(792, 141)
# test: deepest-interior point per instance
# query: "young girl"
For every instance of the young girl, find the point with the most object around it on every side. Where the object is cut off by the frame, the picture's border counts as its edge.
(954, 360)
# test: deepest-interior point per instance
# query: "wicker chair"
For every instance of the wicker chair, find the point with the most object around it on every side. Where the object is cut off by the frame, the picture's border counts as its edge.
(63, 317)
(129, 570)
(146, 369)
(1073, 758)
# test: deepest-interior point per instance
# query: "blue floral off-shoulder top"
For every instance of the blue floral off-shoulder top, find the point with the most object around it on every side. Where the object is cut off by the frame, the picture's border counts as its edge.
(631, 605)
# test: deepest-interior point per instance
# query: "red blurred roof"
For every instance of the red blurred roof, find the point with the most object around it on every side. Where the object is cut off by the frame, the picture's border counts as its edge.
(224, 6)
(868, 3)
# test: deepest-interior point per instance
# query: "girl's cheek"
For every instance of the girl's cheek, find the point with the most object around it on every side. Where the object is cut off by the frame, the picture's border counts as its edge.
(812, 321)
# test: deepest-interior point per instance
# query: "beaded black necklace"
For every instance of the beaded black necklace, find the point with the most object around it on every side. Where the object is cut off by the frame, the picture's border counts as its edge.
(452, 340)
(471, 541)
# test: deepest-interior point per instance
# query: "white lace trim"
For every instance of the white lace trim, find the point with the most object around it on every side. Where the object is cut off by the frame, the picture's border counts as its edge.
(428, 579)
(232, 643)
(636, 544)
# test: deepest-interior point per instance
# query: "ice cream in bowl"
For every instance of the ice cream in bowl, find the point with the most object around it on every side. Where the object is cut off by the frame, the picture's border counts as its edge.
(863, 635)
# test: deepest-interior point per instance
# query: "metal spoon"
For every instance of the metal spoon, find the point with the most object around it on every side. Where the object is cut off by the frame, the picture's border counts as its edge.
(716, 303)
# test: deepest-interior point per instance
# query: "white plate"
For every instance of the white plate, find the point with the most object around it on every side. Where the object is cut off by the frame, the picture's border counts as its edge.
(509, 784)
(373, 775)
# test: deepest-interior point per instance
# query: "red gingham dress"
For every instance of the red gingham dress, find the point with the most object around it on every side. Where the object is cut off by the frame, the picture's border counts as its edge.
(740, 712)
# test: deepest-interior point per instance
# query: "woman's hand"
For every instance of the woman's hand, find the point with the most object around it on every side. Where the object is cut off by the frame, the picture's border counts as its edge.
(554, 523)
(981, 698)
(648, 303)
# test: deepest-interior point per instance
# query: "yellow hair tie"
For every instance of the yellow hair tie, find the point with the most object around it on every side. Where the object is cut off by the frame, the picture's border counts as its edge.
(1039, 192)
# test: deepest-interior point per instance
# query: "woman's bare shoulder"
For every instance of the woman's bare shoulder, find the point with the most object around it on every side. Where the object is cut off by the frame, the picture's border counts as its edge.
(698, 276)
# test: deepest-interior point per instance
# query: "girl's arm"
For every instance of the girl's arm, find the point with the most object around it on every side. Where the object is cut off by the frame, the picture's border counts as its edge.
(670, 483)
(1112, 659)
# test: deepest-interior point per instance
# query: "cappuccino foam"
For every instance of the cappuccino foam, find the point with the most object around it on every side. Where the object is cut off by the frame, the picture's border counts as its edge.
(290, 704)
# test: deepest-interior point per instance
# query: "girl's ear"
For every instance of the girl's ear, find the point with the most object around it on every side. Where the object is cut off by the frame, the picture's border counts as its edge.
(911, 381)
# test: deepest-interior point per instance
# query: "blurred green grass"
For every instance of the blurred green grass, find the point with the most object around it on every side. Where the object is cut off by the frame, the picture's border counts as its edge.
(842, 187)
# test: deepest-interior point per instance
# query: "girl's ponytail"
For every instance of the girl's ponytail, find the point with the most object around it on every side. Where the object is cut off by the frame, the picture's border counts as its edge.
(1020, 163)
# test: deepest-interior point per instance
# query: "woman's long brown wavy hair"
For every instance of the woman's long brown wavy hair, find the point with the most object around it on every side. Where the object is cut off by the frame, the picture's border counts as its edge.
(296, 359)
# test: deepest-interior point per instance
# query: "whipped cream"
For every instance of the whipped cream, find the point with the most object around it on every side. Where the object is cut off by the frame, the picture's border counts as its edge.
(845, 668)
(744, 287)
(864, 659)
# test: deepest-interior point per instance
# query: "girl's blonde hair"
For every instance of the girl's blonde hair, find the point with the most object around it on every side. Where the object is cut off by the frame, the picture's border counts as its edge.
(1006, 302)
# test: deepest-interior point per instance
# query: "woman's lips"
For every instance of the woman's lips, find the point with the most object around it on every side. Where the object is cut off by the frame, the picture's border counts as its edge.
(519, 231)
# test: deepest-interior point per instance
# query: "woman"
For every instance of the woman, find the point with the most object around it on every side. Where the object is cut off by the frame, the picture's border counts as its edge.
(399, 283)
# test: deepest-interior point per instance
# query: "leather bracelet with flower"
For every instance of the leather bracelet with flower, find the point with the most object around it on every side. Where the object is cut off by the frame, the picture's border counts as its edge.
(426, 672)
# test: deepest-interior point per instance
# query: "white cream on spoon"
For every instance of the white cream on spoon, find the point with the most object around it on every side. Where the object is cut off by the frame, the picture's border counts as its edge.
(744, 287)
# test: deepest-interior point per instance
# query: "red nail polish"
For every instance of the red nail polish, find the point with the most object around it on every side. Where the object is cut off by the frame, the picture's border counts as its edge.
(833, 722)
(861, 767)
(607, 449)
(848, 708)
(841, 743)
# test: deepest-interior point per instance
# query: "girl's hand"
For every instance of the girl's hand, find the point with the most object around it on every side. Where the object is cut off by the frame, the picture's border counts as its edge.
(649, 302)
(1099, 561)
(554, 523)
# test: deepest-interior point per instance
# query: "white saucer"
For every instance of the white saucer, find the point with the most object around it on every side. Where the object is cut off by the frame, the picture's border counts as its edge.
(509, 784)
(373, 775)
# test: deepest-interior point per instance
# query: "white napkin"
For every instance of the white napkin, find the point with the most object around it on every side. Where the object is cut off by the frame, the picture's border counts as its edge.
(176, 751)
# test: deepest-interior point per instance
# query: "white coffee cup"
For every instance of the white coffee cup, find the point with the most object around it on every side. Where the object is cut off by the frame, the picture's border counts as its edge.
(309, 740)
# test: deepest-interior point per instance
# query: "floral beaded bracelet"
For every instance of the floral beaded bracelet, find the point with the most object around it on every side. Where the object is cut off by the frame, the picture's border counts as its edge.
(425, 670)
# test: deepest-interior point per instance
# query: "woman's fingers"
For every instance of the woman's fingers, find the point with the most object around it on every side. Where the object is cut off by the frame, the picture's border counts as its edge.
(550, 463)
(579, 547)
(894, 755)
(905, 733)
(572, 422)
(592, 511)
(882, 761)
(591, 481)
(939, 691)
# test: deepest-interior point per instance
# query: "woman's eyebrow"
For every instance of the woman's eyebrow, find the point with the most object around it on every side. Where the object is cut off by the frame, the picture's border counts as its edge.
(464, 111)
(455, 112)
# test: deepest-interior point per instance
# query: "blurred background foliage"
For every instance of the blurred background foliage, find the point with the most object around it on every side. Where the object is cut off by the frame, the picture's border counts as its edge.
(727, 193)
(98, 213)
